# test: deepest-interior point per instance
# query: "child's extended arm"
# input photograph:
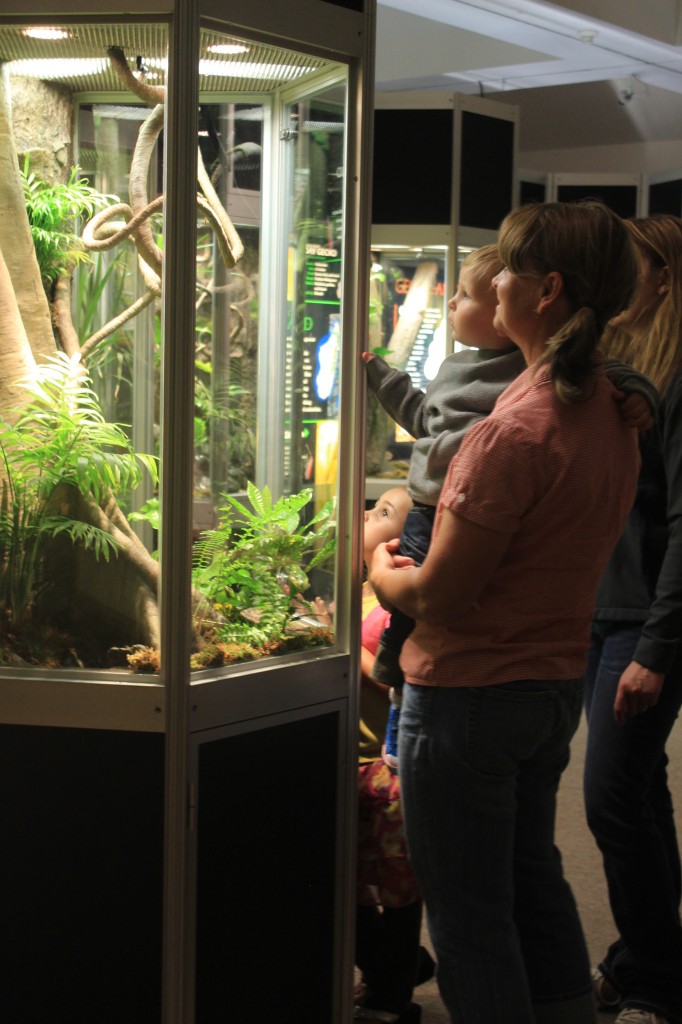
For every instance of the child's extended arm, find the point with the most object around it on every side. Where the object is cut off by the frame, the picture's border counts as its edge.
(397, 395)
(639, 400)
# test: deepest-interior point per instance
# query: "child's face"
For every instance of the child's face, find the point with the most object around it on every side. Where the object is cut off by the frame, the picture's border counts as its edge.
(386, 520)
(472, 309)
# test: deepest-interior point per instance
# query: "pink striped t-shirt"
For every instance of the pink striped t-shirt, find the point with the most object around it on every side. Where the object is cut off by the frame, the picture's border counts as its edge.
(560, 478)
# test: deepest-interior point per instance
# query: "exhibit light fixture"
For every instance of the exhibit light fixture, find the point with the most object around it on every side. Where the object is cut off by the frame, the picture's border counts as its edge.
(249, 69)
(228, 48)
(47, 68)
(46, 32)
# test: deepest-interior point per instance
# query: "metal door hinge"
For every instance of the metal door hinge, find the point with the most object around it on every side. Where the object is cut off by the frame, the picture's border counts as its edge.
(287, 134)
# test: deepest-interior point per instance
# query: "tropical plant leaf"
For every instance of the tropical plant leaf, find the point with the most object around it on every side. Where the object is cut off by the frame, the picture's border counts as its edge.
(253, 568)
(52, 212)
(59, 439)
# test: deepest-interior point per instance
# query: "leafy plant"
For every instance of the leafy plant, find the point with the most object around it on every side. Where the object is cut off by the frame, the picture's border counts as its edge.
(221, 419)
(253, 568)
(59, 439)
(105, 277)
(52, 211)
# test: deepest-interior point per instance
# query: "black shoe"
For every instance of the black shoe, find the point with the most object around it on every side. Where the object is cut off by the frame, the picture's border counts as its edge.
(412, 1015)
(426, 967)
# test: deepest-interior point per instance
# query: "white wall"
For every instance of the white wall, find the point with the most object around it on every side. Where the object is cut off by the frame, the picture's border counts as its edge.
(637, 157)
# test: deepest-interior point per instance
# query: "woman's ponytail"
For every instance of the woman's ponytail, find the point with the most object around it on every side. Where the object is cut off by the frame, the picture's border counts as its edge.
(570, 354)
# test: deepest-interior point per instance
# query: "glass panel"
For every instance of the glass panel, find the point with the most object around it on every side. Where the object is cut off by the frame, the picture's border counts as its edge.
(267, 371)
(80, 344)
(316, 127)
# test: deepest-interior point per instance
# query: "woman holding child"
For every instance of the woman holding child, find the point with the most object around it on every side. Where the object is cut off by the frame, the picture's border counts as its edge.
(530, 511)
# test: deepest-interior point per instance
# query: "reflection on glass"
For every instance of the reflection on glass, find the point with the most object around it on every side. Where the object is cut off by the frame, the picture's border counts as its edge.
(408, 328)
(311, 402)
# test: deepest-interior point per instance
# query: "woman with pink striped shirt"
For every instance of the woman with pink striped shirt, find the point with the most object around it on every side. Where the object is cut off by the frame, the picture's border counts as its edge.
(531, 508)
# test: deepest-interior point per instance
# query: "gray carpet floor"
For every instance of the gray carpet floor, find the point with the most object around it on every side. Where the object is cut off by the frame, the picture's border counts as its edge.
(582, 865)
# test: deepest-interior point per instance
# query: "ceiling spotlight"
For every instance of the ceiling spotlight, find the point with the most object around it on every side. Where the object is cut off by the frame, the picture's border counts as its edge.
(231, 48)
(45, 32)
(625, 95)
(587, 35)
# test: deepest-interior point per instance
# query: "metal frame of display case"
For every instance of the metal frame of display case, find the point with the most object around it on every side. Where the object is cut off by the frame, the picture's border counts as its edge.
(244, 698)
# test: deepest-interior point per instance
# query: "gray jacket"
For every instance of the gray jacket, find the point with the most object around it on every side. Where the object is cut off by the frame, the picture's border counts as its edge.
(464, 391)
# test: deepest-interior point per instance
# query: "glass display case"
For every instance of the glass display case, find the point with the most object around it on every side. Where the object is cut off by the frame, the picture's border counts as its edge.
(266, 365)
(183, 243)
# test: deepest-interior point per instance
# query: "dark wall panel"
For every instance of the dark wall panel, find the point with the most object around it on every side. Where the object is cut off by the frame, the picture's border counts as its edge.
(532, 192)
(622, 199)
(412, 180)
(266, 870)
(666, 197)
(486, 170)
(81, 868)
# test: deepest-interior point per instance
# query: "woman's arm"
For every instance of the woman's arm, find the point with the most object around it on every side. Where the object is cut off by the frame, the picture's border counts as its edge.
(462, 559)
(640, 685)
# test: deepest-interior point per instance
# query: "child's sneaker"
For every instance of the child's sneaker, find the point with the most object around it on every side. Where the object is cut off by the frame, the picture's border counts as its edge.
(632, 1015)
(389, 751)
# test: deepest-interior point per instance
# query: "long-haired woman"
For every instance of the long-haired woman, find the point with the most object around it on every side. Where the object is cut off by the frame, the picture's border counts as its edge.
(634, 681)
(531, 508)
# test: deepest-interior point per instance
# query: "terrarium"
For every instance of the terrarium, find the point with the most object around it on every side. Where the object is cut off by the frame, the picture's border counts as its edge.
(184, 230)
(85, 346)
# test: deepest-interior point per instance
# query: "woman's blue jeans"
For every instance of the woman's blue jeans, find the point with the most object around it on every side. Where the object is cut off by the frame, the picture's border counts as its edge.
(630, 813)
(479, 769)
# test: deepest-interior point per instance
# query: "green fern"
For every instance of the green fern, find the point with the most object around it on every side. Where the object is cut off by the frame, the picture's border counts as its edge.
(253, 568)
(60, 438)
(52, 213)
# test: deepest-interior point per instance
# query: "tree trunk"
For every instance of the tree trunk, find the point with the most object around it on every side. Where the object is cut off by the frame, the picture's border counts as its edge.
(16, 243)
(16, 358)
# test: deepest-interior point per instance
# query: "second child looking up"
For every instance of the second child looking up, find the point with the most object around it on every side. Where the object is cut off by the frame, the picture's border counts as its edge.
(463, 392)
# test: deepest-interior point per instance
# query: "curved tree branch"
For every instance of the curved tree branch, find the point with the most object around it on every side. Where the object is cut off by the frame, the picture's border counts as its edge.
(118, 321)
(148, 93)
(226, 228)
(99, 235)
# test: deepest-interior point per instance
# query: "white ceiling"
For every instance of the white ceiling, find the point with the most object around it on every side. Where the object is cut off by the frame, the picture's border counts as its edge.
(584, 72)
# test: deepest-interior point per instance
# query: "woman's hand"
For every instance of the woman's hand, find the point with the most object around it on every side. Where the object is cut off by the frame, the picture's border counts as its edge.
(638, 690)
(635, 410)
(366, 356)
(386, 560)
